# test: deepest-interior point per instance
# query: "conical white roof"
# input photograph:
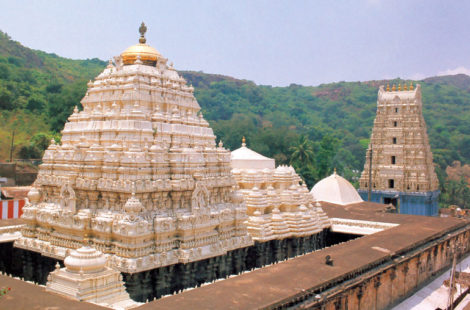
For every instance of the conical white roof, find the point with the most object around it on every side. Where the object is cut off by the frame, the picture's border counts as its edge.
(335, 189)
(244, 158)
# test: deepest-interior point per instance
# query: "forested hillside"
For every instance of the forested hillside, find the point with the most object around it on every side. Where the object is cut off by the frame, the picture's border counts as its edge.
(37, 92)
(339, 114)
(314, 128)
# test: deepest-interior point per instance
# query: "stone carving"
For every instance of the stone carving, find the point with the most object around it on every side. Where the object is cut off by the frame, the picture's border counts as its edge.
(402, 165)
(200, 197)
(138, 170)
(279, 204)
(67, 196)
(400, 145)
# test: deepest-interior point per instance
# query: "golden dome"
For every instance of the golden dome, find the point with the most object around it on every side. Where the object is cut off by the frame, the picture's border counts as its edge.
(148, 55)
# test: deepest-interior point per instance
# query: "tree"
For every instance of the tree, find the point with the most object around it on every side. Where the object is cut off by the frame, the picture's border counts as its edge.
(327, 150)
(302, 152)
(302, 159)
(29, 151)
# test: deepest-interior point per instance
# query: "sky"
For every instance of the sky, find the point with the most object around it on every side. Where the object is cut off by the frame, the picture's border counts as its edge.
(269, 42)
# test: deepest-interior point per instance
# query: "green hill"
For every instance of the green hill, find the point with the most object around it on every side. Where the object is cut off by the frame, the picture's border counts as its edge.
(331, 121)
(37, 91)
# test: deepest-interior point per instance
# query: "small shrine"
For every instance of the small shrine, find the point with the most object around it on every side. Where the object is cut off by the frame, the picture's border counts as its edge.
(87, 278)
(278, 202)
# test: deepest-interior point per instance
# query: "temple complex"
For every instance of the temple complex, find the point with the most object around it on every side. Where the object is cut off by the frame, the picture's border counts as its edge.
(139, 172)
(402, 172)
(278, 202)
(138, 202)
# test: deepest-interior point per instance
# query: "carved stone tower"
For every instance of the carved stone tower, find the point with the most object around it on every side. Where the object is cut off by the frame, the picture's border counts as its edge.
(139, 172)
(402, 166)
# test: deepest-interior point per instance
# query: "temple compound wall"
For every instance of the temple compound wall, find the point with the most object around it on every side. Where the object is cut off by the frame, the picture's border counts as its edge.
(402, 170)
(385, 285)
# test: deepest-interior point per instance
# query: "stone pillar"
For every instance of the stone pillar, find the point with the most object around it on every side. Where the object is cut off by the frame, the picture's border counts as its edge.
(133, 284)
(146, 285)
(405, 273)
(28, 268)
(359, 294)
(377, 284)
(162, 286)
(260, 250)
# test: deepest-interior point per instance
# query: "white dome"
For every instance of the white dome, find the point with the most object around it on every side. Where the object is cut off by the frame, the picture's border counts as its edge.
(86, 259)
(244, 158)
(335, 189)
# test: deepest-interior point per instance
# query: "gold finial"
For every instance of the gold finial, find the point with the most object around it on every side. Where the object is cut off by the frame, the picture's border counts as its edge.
(86, 239)
(388, 86)
(394, 88)
(405, 87)
(142, 30)
(411, 86)
(334, 171)
(243, 141)
(399, 86)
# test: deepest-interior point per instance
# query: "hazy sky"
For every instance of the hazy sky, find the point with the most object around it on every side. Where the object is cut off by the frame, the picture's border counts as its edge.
(269, 42)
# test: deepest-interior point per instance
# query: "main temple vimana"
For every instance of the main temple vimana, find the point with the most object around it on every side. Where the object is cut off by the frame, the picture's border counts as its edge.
(138, 202)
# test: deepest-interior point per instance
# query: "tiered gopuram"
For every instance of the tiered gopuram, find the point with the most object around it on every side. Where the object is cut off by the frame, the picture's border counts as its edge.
(402, 166)
(137, 171)
(278, 206)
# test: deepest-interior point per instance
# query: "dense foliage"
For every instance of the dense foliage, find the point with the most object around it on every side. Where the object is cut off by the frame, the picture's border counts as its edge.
(37, 93)
(316, 129)
(336, 118)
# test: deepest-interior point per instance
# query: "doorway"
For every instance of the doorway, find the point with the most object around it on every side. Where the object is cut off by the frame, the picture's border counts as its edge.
(393, 201)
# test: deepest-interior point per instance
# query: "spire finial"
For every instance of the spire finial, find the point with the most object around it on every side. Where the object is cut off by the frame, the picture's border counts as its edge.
(334, 171)
(388, 86)
(411, 86)
(86, 239)
(405, 87)
(243, 141)
(399, 86)
(394, 88)
(142, 30)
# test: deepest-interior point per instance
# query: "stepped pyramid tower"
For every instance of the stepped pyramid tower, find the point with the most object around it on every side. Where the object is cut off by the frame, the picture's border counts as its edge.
(279, 205)
(138, 171)
(402, 166)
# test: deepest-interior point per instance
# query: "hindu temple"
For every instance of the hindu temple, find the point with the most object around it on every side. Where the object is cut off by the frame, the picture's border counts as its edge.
(138, 172)
(399, 168)
(281, 213)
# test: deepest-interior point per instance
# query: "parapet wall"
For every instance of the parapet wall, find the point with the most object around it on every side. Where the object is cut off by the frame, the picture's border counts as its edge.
(385, 285)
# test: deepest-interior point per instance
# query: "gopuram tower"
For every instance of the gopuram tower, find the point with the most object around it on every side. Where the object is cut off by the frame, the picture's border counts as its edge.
(402, 166)
(137, 172)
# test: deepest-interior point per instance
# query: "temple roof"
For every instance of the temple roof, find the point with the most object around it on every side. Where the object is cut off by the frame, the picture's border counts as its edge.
(335, 189)
(142, 51)
(408, 94)
(244, 158)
